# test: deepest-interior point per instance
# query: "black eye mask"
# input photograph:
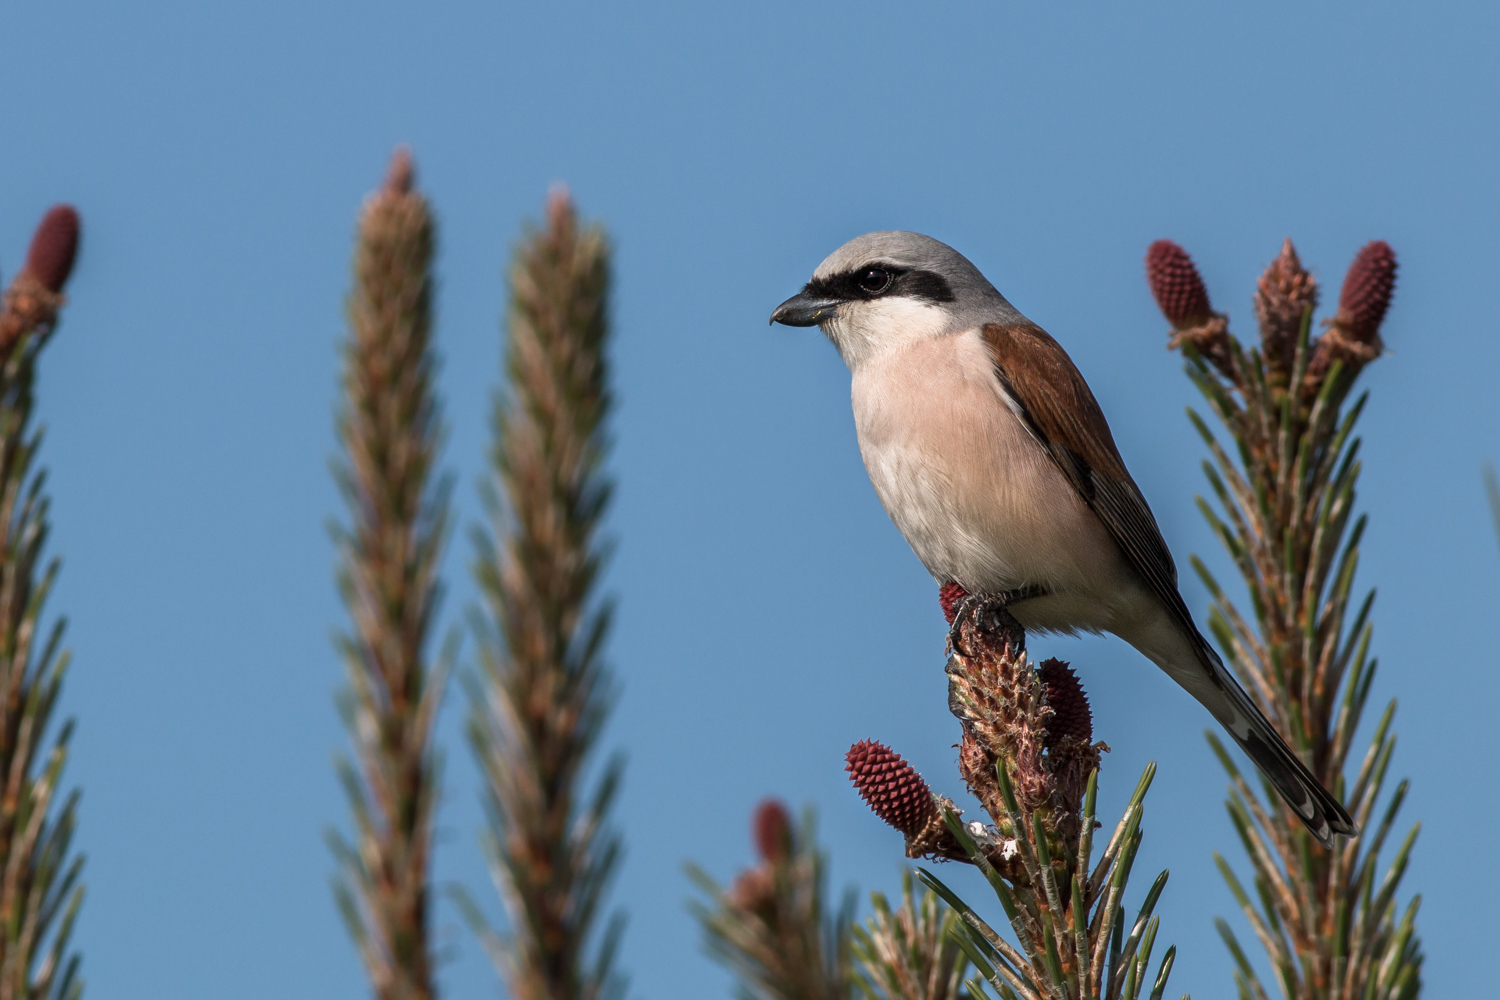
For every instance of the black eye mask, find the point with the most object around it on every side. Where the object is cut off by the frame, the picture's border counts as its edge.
(849, 286)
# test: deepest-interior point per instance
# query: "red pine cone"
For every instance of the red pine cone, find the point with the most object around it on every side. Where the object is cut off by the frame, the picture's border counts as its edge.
(53, 247)
(949, 594)
(890, 786)
(1176, 285)
(1071, 715)
(772, 829)
(1367, 290)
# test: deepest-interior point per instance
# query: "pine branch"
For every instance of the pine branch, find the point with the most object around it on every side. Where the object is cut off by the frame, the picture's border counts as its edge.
(1028, 755)
(911, 952)
(391, 430)
(41, 888)
(1285, 502)
(772, 927)
(544, 691)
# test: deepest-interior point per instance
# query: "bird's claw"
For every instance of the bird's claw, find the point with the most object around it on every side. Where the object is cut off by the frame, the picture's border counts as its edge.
(963, 611)
(990, 612)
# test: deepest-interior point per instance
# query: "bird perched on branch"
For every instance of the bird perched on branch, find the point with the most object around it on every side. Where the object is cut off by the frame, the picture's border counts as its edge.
(990, 453)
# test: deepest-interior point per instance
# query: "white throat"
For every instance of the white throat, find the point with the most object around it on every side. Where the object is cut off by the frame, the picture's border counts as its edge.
(865, 330)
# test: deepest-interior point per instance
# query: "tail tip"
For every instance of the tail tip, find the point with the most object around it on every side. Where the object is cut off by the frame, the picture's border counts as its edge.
(1328, 823)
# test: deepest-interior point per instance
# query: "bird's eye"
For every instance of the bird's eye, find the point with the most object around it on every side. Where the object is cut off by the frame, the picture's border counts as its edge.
(875, 280)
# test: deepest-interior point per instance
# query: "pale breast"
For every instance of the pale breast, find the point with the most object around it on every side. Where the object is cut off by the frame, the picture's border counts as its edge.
(972, 491)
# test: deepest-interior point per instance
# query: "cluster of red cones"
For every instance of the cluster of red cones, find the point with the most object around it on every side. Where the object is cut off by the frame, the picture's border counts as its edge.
(1286, 295)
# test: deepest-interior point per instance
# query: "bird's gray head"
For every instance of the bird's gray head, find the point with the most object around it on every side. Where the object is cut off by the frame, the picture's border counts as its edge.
(883, 289)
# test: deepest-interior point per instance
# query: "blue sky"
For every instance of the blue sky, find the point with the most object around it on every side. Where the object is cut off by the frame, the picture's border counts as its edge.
(770, 615)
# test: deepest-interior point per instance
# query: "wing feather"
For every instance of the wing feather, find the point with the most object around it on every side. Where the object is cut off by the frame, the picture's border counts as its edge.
(1062, 414)
(1052, 398)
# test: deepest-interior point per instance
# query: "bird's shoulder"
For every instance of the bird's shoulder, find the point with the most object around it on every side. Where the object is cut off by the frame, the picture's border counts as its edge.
(1051, 394)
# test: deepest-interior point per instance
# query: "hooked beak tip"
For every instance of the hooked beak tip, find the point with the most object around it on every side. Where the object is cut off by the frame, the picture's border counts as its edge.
(803, 309)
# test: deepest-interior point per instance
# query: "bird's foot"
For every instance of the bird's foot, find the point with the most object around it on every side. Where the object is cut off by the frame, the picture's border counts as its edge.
(985, 613)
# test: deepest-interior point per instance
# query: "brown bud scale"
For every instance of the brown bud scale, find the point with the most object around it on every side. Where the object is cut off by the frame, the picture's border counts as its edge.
(754, 890)
(1284, 295)
(401, 175)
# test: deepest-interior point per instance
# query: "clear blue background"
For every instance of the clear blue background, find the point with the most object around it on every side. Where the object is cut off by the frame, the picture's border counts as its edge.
(770, 614)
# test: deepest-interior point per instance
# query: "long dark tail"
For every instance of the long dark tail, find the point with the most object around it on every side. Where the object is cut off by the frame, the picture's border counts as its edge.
(1324, 815)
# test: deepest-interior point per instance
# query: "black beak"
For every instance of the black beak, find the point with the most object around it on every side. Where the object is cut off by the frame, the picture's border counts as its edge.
(803, 309)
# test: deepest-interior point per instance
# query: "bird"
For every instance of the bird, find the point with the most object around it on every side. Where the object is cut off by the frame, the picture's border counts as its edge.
(990, 453)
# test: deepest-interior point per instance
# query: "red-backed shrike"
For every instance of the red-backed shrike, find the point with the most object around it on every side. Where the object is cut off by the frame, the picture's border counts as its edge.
(991, 455)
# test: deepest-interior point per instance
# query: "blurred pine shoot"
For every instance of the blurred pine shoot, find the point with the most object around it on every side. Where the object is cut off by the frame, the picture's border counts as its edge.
(1492, 493)
(544, 691)
(910, 952)
(772, 928)
(391, 431)
(40, 880)
(1028, 755)
(1285, 491)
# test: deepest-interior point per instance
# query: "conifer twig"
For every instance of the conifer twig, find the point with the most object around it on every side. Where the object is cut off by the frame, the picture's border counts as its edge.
(772, 928)
(1285, 511)
(41, 888)
(911, 951)
(543, 691)
(1028, 755)
(391, 430)
(1492, 493)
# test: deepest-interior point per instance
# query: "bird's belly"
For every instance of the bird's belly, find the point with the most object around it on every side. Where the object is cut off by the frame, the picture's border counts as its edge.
(977, 498)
